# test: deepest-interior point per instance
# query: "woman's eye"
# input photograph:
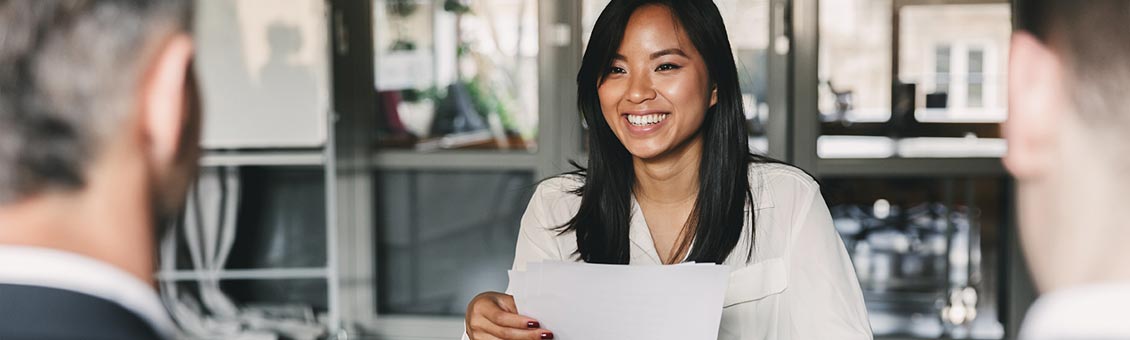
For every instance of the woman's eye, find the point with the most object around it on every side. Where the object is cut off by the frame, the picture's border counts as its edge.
(616, 70)
(667, 67)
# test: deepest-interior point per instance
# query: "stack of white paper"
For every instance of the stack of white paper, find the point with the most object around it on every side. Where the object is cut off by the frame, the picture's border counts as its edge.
(579, 301)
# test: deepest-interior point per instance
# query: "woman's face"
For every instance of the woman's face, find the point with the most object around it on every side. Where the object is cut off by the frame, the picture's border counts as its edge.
(657, 91)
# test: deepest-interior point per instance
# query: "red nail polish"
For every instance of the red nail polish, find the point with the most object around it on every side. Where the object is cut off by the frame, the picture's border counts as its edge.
(532, 324)
(548, 335)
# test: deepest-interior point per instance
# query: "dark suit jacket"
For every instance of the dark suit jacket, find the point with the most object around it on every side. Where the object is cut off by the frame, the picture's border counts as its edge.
(34, 313)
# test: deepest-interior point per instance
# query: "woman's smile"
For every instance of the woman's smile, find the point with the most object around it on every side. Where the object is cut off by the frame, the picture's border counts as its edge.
(641, 123)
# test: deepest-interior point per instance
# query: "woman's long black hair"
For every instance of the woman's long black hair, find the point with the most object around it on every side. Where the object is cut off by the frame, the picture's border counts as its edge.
(602, 222)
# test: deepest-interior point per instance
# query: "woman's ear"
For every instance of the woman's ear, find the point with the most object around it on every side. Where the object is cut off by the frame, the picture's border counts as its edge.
(713, 95)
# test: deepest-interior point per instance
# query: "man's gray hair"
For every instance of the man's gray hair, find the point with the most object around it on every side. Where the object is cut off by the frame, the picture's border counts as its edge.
(69, 74)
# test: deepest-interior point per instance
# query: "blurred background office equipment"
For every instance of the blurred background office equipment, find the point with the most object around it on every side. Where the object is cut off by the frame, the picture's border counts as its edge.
(393, 145)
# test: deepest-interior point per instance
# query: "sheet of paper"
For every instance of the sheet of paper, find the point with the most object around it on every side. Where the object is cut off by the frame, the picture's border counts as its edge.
(579, 301)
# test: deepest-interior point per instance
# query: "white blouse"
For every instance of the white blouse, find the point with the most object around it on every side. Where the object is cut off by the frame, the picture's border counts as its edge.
(1091, 311)
(800, 283)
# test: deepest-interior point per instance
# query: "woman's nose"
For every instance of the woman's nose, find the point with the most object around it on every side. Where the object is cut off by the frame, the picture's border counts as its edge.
(640, 89)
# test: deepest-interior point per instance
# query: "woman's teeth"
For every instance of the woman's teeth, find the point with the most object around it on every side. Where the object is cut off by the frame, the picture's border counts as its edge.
(645, 120)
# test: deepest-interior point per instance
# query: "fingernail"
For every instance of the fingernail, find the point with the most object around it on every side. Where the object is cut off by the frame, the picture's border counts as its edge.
(547, 335)
(533, 324)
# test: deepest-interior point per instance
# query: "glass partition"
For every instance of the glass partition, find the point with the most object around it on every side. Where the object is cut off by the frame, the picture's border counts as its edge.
(456, 74)
(912, 79)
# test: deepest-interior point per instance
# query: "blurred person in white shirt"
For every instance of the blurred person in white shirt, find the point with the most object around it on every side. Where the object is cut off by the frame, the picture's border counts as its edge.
(1068, 130)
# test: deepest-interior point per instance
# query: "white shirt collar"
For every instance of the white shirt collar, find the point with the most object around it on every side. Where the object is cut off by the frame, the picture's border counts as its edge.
(640, 235)
(1096, 311)
(43, 267)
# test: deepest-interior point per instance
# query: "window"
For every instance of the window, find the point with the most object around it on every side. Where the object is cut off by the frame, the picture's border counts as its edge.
(972, 79)
(975, 78)
(855, 60)
(457, 84)
(456, 74)
(897, 75)
(966, 42)
(941, 75)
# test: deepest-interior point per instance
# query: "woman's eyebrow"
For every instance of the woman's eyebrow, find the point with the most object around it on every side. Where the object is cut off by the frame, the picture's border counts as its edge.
(668, 51)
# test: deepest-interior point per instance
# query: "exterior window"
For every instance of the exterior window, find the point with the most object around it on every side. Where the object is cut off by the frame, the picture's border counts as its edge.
(976, 78)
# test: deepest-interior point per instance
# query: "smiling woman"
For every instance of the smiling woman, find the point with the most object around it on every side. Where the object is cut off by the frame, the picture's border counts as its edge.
(648, 61)
(659, 78)
(670, 179)
(663, 77)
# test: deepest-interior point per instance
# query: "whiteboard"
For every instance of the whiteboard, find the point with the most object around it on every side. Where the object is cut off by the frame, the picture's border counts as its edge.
(264, 72)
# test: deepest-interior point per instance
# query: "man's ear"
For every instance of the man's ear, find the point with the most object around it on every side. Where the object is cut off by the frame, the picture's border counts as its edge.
(1037, 100)
(163, 110)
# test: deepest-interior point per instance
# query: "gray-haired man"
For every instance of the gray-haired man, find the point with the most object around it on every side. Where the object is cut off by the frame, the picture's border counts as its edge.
(98, 135)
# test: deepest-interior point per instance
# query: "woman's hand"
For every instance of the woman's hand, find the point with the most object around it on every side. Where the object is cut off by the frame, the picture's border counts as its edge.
(493, 315)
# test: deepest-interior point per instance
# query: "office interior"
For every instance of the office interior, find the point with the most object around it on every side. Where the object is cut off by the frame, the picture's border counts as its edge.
(368, 161)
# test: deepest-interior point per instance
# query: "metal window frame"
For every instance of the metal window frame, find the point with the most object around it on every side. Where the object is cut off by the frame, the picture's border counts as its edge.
(555, 58)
